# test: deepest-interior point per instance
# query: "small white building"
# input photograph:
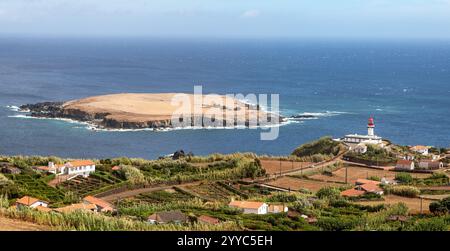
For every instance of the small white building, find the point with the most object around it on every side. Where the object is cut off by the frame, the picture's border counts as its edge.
(250, 207)
(406, 165)
(30, 202)
(420, 149)
(360, 148)
(276, 209)
(430, 164)
(80, 167)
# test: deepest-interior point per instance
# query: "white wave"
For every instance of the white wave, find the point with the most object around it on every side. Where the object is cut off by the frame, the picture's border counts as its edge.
(317, 115)
(13, 108)
(93, 127)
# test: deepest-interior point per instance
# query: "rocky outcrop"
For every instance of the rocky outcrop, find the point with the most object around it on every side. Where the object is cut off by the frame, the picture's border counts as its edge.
(125, 115)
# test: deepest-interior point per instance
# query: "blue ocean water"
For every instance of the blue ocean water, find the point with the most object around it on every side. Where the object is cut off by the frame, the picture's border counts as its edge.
(405, 85)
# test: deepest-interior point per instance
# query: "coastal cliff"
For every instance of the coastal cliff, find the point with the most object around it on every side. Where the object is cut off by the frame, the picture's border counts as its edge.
(140, 111)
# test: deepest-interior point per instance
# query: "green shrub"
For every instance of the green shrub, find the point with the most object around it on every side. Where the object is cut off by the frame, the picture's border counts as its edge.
(321, 147)
(440, 207)
(328, 192)
(405, 191)
(432, 224)
(133, 175)
(404, 177)
(338, 223)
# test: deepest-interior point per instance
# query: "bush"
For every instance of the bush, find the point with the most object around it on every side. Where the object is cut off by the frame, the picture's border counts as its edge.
(133, 175)
(338, 223)
(404, 177)
(323, 146)
(433, 224)
(328, 192)
(405, 191)
(4, 203)
(440, 207)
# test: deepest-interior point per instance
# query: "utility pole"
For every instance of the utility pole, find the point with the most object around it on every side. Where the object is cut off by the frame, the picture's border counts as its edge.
(346, 174)
(280, 167)
(421, 205)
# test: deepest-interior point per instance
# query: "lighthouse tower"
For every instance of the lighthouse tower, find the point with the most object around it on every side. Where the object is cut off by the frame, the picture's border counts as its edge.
(371, 127)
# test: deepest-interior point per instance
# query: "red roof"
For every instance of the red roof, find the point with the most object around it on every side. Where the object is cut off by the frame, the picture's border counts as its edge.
(352, 193)
(28, 201)
(208, 219)
(371, 188)
(98, 202)
(404, 162)
(116, 168)
(366, 181)
(247, 204)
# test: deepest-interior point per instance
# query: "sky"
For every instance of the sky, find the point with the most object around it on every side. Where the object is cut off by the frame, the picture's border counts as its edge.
(228, 18)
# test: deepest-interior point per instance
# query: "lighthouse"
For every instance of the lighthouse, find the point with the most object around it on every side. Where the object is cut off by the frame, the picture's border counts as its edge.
(371, 127)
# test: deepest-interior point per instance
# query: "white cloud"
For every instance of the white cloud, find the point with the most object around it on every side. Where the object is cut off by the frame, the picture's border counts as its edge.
(251, 14)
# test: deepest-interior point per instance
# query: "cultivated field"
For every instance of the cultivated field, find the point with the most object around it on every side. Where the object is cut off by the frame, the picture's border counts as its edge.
(210, 191)
(412, 203)
(357, 172)
(297, 184)
(275, 166)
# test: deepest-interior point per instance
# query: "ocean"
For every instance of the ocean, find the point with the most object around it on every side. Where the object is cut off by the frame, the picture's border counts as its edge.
(404, 85)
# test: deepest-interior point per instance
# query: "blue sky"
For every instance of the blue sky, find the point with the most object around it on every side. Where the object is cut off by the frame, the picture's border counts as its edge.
(228, 18)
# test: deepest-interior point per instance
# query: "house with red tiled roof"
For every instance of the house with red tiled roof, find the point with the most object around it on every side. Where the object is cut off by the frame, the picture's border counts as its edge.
(208, 220)
(250, 207)
(77, 207)
(420, 149)
(275, 209)
(366, 181)
(102, 206)
(175, 216)
(372, 188)
(31, 202)
(75, 167)
(353, 192)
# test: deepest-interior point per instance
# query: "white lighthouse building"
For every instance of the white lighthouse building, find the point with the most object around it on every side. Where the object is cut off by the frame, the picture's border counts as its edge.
(370, 138)
(371, 127)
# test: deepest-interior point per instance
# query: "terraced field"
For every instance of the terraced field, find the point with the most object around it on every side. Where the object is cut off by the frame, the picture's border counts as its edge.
(85, 186)
(273, 166)
(357, 172)
(298, 184)
(37, 188)
(211, 191)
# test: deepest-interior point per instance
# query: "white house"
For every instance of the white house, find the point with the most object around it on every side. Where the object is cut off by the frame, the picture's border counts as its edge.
(404, 164)
(250, 207)
(80, 167)
(275, 209)
(360, 148)
(430, 164)
(420, 149)
(30, 202)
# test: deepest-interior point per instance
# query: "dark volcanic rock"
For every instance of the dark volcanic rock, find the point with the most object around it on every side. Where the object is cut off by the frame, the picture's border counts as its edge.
(305, 116)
